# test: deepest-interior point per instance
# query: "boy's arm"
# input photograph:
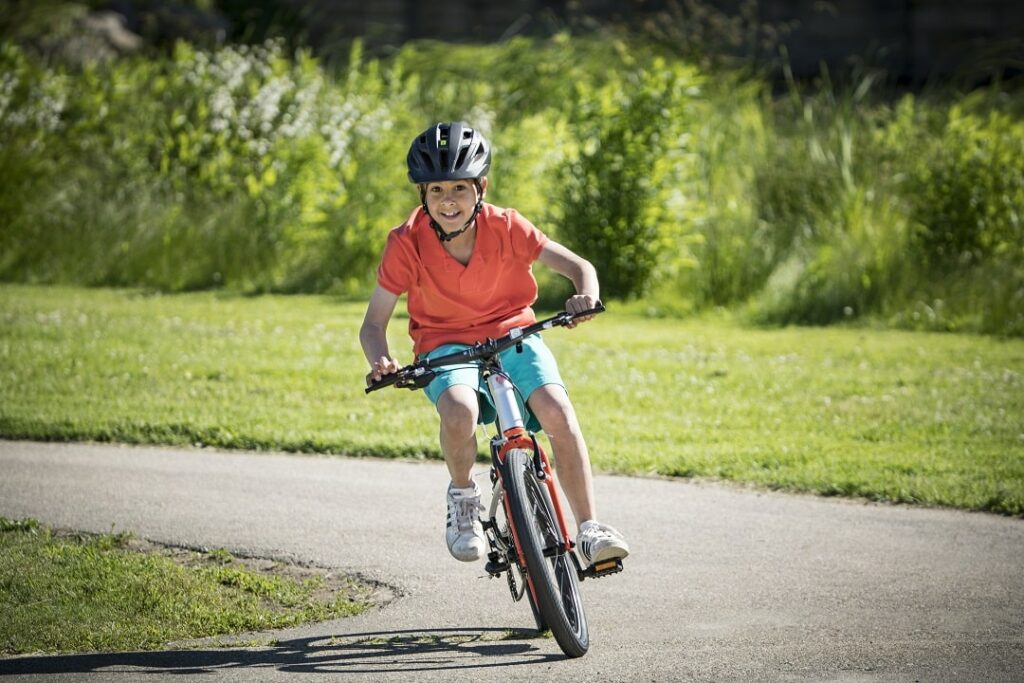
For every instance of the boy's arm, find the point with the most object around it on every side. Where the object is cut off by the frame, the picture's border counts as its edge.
(373, 334)
(565, 262)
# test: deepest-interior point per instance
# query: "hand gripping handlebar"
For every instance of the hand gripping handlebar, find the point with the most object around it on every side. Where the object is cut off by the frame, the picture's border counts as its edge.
(419, 374)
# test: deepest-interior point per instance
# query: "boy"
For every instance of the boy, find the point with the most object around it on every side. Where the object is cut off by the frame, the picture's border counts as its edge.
(467, 268)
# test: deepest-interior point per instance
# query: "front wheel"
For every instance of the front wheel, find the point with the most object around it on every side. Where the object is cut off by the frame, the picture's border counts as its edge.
(551, 572)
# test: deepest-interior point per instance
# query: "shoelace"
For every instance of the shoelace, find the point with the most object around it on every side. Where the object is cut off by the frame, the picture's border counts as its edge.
(590, 538)
(465, 512)
(593, 534)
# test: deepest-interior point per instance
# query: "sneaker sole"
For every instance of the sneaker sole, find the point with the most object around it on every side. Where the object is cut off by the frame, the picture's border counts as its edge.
(470, 555)
(610, 553)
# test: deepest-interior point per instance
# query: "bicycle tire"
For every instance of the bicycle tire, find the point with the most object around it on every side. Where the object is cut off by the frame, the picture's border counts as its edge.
(552, 578)
(504, 529)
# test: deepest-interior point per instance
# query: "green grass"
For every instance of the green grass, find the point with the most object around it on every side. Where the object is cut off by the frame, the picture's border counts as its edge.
(73, 593)
(888, 415)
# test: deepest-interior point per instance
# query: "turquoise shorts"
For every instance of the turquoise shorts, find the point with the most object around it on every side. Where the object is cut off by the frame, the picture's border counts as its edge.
(529, 370)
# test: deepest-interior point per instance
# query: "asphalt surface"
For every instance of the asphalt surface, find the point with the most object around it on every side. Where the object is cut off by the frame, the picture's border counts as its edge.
(723, 584)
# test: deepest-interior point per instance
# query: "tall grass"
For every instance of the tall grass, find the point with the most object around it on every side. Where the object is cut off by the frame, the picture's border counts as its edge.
(690, 185)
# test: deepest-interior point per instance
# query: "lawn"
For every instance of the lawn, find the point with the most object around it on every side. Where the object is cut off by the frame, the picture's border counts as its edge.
(70, 592)
(888, 415)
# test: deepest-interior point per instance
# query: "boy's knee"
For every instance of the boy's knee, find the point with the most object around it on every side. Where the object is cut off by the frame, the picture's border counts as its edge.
(458, 409)
(552, 407)
(561, 425)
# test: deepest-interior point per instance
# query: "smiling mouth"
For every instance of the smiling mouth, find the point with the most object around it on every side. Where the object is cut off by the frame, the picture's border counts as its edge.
(450, 216)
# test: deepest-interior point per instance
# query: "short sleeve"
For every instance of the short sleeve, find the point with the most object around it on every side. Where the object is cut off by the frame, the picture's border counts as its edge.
(527, 240)
(396, 270)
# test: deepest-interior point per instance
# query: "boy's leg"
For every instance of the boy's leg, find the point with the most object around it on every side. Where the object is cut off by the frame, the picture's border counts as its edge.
(551, 405)
(596, 542)
(459, 407)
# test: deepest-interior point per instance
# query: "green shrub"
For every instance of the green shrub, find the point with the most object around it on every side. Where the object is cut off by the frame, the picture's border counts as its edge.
(624, 201)
(962, 180)
(968, 189)
(253, 169)
(732, 248)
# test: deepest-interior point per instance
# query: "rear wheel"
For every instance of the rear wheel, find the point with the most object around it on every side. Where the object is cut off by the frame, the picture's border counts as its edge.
(551, 572)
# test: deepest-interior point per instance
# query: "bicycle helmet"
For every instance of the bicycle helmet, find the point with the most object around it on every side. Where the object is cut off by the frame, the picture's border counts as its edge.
(449, 151)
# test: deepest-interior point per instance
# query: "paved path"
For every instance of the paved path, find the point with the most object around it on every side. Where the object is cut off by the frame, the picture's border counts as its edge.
(723, 584)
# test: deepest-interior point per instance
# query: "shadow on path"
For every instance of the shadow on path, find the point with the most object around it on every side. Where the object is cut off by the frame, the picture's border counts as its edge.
(405, 650)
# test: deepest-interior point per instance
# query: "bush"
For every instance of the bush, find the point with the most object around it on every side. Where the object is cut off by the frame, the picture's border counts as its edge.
(968, 189)
(255, 169)
(624, 201)
(227, 168)
(732, 247)
(963, 183)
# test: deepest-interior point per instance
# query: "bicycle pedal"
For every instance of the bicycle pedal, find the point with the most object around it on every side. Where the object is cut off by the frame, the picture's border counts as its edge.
(495, 568)
(602, 569)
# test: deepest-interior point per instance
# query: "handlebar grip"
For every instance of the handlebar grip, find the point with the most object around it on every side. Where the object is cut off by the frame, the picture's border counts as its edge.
(385, 381)
(598, 308)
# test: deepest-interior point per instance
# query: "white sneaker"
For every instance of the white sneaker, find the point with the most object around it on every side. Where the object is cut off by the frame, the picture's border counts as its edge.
(465, 534)
(600, 543)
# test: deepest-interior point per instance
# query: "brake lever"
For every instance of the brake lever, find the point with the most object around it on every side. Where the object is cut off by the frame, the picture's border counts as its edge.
(418, 379)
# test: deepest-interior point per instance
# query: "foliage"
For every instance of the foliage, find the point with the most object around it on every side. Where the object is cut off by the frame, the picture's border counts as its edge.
(254, 168)
(731, 245)
(624, 191)
(966, 192)
(205, 170)
(907, 211)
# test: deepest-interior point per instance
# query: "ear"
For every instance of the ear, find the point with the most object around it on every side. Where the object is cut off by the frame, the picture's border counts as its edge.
(483, 187)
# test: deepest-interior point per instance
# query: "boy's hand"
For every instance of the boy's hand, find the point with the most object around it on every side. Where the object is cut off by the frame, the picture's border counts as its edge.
(577, 303)
(382, 366)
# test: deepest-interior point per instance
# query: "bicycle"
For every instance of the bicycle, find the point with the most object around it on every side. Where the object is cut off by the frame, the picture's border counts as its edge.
(525, 527)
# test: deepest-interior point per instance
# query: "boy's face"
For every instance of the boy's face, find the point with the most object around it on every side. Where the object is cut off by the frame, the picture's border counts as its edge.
(451, 202)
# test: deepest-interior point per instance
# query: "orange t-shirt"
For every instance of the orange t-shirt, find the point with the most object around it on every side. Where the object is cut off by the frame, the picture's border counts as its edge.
(453, 303)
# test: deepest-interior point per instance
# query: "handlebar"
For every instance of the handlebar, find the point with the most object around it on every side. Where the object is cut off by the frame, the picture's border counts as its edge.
(419, 374)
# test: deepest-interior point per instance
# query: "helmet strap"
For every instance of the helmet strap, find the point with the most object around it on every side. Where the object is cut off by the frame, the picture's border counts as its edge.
(449, 236)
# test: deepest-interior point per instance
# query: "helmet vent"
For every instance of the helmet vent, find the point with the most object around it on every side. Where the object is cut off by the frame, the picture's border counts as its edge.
(462, 157)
